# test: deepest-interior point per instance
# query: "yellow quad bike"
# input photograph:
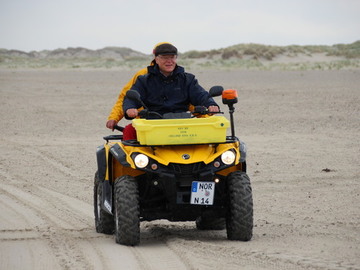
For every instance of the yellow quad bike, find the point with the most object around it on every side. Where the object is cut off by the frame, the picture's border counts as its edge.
(180, 168)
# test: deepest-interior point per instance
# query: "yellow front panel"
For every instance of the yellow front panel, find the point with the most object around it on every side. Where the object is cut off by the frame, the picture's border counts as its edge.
(181, 131)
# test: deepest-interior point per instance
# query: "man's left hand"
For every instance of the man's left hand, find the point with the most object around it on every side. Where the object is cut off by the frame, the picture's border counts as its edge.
(214, 109)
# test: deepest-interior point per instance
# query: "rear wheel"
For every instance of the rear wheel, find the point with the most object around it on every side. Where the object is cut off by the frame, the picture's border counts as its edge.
(104, 222)
(127, 211)
(239, 219)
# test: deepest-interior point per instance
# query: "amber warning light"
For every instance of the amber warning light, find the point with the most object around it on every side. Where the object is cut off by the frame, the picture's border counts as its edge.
(229, 96)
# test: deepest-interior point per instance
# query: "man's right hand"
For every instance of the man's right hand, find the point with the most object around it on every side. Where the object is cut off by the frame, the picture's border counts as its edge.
(132, 113)
(111, 124)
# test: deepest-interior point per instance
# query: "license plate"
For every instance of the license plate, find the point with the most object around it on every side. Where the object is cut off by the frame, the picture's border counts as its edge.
(202, 193)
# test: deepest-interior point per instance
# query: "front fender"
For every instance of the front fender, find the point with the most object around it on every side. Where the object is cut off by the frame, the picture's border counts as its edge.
(119, 155)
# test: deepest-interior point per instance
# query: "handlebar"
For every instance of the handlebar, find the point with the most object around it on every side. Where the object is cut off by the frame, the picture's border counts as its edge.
(121, 129)
(202, 110)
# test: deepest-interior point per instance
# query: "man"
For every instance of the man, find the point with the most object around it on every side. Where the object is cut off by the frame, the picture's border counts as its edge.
(167, 87)
(117, 113)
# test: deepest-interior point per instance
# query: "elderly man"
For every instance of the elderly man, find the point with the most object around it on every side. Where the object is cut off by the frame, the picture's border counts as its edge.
(167, 87)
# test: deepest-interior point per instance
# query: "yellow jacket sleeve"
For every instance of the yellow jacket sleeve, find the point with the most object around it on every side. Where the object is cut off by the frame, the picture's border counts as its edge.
(117, 112)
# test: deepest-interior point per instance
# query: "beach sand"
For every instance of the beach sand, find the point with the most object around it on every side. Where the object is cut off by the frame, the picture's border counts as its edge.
(302, 133)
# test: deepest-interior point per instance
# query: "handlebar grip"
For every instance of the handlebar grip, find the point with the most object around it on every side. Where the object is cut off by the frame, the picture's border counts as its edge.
(119, 128)
(201, 110)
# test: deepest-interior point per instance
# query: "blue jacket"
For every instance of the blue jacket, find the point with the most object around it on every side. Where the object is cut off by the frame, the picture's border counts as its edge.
(169, 94)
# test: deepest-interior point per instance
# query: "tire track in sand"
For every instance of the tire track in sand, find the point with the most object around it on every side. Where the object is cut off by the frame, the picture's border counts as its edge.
(71, 220)
(54, 224)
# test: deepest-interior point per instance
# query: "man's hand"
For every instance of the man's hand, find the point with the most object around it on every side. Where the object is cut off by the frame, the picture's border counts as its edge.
(111, 124)
(132, 113)
(214, 109)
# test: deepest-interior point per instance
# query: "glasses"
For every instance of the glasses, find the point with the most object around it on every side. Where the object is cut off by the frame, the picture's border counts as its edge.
(167, 57)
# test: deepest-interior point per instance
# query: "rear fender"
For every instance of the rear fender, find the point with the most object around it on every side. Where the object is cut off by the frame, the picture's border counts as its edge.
(101, 162)
(107, 200)
(102, 155)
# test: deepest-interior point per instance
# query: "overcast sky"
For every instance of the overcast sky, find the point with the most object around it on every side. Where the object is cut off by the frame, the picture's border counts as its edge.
(189, 24)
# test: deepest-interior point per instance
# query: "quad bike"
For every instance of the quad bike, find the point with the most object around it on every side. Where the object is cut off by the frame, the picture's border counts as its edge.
(181, 168)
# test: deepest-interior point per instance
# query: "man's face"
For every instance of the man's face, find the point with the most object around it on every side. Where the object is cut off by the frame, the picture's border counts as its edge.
(166, 63)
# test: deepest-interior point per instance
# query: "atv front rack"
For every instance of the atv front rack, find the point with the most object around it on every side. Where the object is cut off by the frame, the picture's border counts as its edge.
(136, 143)
(113, 137)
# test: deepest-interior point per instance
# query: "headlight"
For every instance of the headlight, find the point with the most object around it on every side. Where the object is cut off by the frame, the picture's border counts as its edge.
(228, 157)
(141, 161)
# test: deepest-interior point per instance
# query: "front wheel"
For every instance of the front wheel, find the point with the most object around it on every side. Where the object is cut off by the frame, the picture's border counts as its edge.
(127, 211)
(104, 222)
(239, 219)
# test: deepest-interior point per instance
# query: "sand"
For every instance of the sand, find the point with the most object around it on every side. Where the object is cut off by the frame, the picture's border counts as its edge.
(302, 132)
